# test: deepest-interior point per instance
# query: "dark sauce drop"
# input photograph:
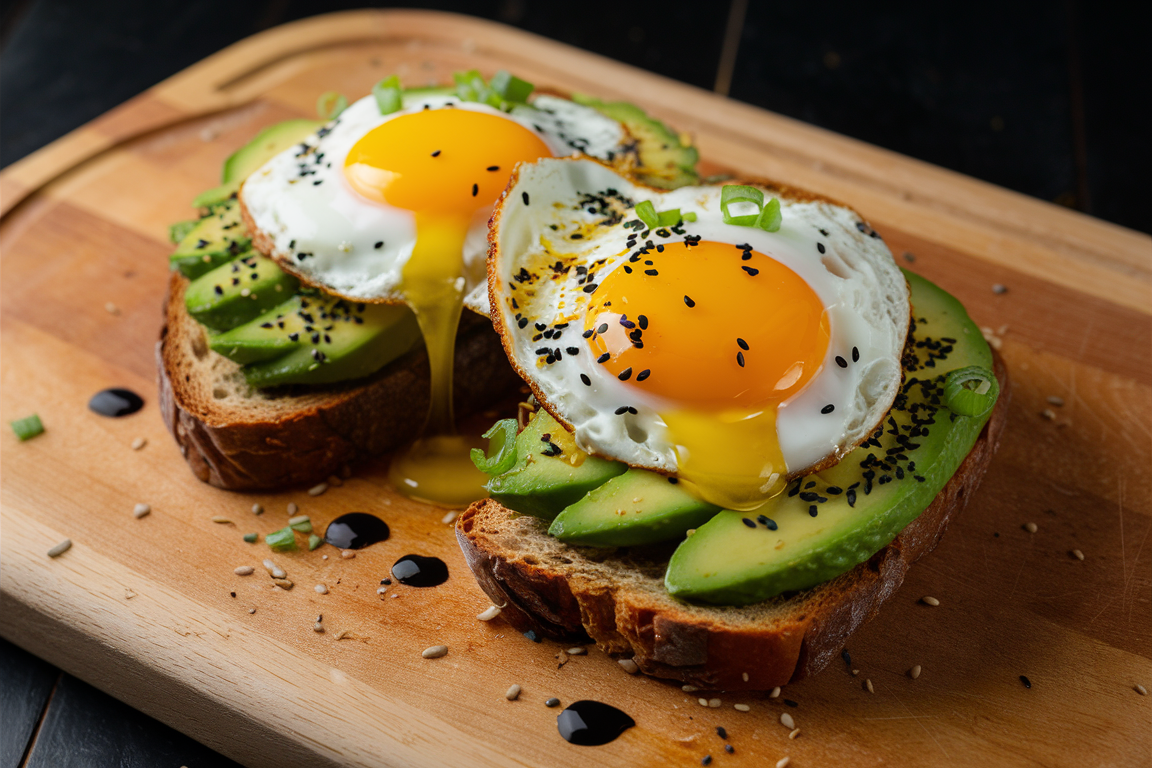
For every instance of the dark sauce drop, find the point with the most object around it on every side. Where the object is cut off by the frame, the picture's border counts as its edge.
(420, 571)
(592, 723)
(115, 402)
(356, 530)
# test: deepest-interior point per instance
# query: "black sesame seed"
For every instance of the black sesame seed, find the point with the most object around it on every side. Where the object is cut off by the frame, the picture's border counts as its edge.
(436, 153)
(604, 358)
(673, 480)
(572, 350)
(523, 322)
(855, 355)
(643, 374)
(627, 269)
(841, 362)
(524, 197)
(625, 374)
(689, 302)
(475, 189)
(622, 410)
(588, 333)
(643, 322)
(828, 408)
(820, 247)
(584, 378)
(493, 168)
(590, 287)
(740, 359)
(728, 748)
(741, 343)
(750, 270)
(748, 522)
(651, 272)
(791, 703)
(379, 244)
(813, 511)
(603, 328)
(706, 760)
(847, 658)
(632, 410)
(721, 733)
(1024, 679)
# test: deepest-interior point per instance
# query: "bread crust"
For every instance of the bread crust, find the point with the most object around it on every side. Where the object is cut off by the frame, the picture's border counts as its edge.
(711, 649)
(303, 435)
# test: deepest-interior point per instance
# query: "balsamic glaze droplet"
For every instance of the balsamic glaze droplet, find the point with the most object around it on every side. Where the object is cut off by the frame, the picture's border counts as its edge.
(115, 402)
(420, 571)
(592, 723)
(356, 530)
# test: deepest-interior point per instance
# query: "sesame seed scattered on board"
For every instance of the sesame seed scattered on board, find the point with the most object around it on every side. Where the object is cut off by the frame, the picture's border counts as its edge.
(450, 517)
(251, 610)
(714, 703)
(929, 600)
(628, 666)
(1054, 400)
(513, 692)
(1141, 690)
(139, 443)
(783, 762)
(915, 672)
(577, 651)
(999, 288)
(244, 570)
(257, 509)
(787, 721)
(703, 702)
(775, 692)
(489, 613)
(795, 732)
(283, 583)
(321, 589)
(317, 489)
(317, 627)
(60, 548)
(741, 707)
(347, 554)
(1031, 527)
(855, 672)
(869, 686)
(435, 651)
(1049, 414)
(111, 308)
(299, 519)
(689, 688)
(552, 702)
(1077, 554)
(140, 510)
(292, 508)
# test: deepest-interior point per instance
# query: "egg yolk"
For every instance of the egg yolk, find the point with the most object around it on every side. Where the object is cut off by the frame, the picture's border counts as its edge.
(445, 165)
(724, 335)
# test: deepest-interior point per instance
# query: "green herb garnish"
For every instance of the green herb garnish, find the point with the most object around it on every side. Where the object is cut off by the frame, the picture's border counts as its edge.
(314, 541)
(767, 217)
(330, 105)
(511, 88)
(251, 538)
(27, 427)
(501, 439)
(301, 523)
(653, 220)
(389, 95)
(283, 540)
(971, 391)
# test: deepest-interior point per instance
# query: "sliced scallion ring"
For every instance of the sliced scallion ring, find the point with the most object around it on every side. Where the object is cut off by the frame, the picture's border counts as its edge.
(283, 540)
(389, 96)
(769, 218)
(330, 105)
(314, 541)
(971, 391)
(511, 88)
(27, 427)
(501, 439)
(646, 212)
(735, 193)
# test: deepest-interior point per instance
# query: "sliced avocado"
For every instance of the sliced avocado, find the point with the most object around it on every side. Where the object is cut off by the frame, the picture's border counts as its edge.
(238, 291)
(637, 507)
(665, 161)
(322, 341)
(550, 472)
(268, 143)
(210, 198)
(828, 522)
(216, 239)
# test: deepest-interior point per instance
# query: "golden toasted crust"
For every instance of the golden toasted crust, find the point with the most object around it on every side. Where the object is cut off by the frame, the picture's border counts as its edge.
(573, 593)
(241, 440)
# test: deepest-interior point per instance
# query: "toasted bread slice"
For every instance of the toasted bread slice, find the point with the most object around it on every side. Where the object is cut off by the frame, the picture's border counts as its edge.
(241, 439)
(617, 597)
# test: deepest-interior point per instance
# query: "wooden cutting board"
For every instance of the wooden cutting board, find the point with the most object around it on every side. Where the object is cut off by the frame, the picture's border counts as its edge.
(150, 610)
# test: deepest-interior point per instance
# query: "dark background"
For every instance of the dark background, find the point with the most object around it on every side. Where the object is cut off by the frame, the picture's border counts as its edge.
(1050, 99)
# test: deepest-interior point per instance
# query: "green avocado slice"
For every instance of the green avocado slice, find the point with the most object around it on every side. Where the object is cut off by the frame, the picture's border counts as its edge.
(216, 239)
(665, 161)
(826, 523)
(238, 291)
(266, 145)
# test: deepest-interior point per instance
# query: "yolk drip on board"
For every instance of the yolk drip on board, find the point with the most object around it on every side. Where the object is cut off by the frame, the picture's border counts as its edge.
(445, 166)
(725, 334)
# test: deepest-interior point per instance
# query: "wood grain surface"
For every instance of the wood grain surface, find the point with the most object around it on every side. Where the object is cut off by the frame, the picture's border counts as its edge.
(150, 610)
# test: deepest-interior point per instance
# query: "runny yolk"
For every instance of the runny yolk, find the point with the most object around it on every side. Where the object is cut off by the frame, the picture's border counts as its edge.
(445, 165)
(725, 335)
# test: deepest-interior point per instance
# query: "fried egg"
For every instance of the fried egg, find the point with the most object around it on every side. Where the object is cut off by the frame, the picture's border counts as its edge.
(730, 356)
(344, 210)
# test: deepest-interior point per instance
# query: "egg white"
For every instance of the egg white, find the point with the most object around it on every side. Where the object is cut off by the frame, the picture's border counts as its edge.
(855, 278)
(318, 227)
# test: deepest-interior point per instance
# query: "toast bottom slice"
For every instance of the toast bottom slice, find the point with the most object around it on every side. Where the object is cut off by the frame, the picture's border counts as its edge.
(617, 597)
(241, 439)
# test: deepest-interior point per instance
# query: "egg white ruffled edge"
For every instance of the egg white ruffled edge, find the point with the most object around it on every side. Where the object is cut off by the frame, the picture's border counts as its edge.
(601, 431)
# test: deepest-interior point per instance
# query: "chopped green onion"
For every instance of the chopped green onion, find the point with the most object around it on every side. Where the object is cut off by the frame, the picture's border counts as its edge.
(511, 88)
(330, 105)
(301, 523)
(669, 218)
(314, 541)
(971, 391)
(389, 97)
(735, 193)
(251, 538)
(283, 540)
(27, 427)
(177, 231)
(502, 439)
(690, 216)
(770, 218)
(470, 86)
(647, 214)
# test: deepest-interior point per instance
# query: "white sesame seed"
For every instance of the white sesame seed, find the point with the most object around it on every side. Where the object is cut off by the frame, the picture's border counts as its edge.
(775, 692)
(915, 672)
(140, 510)
(855, 672)
(435, 651)
(745, 676)
(299, 519)
(274, 570)
(868, 685)
(929, 600)
(251, 610)
(317, 627)
(347, 554)
(996, 343)
(111, 308)
(221, 520)
(257, 509)
(1141, 690)
(381, 590)
(577, 651)
(317, 489)
(292, 508)
(787, 721)
(714, 703)
(489, 614)
(1077, 554)
(998, 288)
(703, 702)
(513, 692)
(283, 583)
(321, 589)
(450, 517)
(689, 688)
(1054, 400)
(783, 762)
(60, 548)
(795, 732)
(244, 570)
(335, 481)
(139, 443)
(628, 666)
(741, 707)
(1031, 527)
(1049, 414)
(245, 292)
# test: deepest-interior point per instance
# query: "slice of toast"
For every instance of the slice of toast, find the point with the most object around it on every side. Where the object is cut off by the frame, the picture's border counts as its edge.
(617, 597)
(241, 439)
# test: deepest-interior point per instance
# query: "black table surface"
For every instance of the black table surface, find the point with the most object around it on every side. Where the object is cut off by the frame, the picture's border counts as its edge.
(1050, 99)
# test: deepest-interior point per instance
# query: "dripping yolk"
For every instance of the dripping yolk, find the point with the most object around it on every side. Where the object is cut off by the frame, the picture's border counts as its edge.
(445, 162)
(724, 335)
